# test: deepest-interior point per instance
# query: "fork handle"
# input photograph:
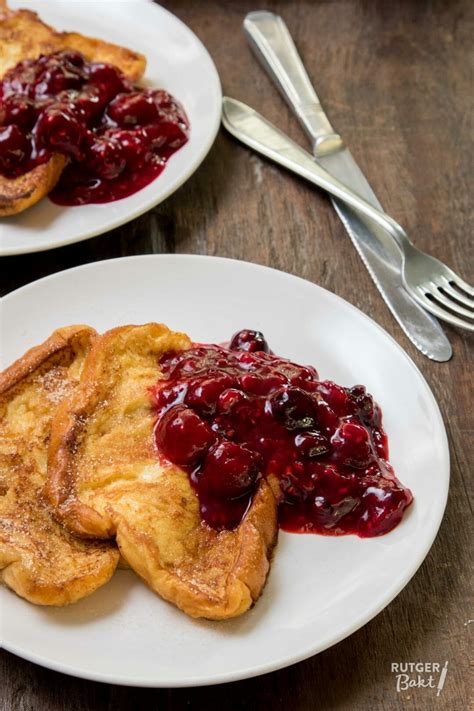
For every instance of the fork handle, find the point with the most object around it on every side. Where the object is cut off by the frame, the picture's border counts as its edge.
(271, 41)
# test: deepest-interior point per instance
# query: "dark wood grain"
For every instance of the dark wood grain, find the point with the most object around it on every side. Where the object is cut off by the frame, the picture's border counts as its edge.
(396, 79)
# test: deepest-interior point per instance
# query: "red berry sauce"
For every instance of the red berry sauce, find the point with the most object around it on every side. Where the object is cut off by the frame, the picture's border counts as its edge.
(231, 415)
(116, 136)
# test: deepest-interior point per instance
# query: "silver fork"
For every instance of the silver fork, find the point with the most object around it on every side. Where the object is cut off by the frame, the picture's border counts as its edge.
(434, 285)
(431, 282)
(440, 290)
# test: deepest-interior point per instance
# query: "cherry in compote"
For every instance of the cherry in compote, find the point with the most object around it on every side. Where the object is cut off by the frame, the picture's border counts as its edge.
(248, 340)
(230, 415)
(228, 470)
(117, 137)
(183, 436)
(14, 147)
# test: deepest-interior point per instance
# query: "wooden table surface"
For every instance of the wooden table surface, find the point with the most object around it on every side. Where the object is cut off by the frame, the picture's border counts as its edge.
(396, 79)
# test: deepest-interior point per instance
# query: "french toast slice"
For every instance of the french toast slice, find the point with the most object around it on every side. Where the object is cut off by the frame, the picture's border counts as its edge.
(24, 36)
(39, 559)
(106, 479)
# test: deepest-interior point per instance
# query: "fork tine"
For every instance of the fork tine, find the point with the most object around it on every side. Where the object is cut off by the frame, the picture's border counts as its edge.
(460, 283)
(446, 286)
(439, 311)
(451, 304)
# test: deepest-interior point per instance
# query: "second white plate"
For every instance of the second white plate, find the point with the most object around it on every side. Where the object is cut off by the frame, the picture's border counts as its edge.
(176, 61)
(320, 588)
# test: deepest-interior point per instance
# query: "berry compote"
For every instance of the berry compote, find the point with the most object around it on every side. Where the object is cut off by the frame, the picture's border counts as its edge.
(230, 415)
(116, 136)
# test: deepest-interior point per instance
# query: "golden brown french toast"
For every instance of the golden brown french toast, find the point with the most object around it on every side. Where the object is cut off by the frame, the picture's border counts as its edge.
(106, 479)
(39, 559)
(24, 36)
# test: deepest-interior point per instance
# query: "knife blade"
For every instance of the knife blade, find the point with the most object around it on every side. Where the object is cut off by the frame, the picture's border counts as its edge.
(271, 41)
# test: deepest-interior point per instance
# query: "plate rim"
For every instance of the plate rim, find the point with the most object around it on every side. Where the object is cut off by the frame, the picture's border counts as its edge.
(203, 152)
(363, 618)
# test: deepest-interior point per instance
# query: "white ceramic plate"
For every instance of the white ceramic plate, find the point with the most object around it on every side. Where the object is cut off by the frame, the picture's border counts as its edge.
(176, 61)
(321, 589)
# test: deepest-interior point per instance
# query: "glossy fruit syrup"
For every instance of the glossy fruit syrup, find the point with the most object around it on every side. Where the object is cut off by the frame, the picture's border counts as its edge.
(116, 136)
(231, 415)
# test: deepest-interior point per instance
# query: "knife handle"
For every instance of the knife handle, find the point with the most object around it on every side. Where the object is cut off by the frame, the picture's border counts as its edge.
(272, 43)
(256, 132)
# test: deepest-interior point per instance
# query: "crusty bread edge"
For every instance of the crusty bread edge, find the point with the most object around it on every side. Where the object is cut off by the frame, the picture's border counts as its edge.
(257, 534)
(17, 194)
(89, 46)
(25, 365)
(18, 577)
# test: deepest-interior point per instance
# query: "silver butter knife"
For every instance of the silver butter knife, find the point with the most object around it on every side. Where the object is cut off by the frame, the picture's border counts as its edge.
(270, 39)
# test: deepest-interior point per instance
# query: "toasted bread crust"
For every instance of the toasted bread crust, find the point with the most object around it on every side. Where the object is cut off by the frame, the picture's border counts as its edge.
(226, 573)
(79, 335)
(105, 479)
(24, 36)
(39, 559)
(132, 64)
(16, 194)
